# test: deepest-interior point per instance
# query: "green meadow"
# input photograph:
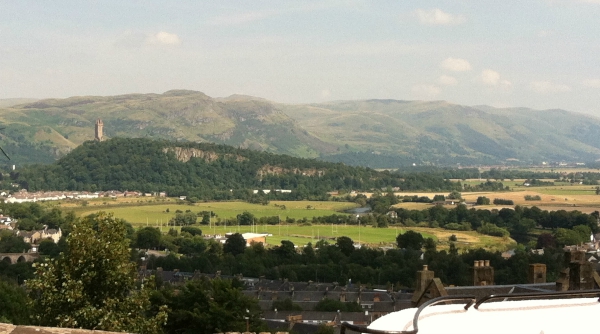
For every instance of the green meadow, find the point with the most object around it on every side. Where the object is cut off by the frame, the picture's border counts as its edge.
(155, 214)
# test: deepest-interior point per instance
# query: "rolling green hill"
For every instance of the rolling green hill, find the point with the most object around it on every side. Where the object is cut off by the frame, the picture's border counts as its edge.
(206, 171)
(374, 133)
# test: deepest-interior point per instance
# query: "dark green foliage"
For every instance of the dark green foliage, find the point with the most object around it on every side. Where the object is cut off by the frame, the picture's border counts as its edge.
(410, 239)
(533, 197)
(482, 200)
(194, 231)
(10, 243)
(150, 166)
(209, 306)
(500, 201)
(235, 244)
(345, 244)
(147, 238)
(13, 303)
(49, 248)
(493, 230)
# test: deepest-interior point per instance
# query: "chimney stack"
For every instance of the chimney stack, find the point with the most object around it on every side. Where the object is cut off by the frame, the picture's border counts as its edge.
(483, 273)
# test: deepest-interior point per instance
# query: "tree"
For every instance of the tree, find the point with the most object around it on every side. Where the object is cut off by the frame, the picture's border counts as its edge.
(410, 239)
(10, 243)
(482, 200)
(147, 238)
(235, 244)
(345, 244)
(92, 284)
(194, 231)
(245, 218)
(13, 304)
(210, 306)
(454, 195)
(48, 247)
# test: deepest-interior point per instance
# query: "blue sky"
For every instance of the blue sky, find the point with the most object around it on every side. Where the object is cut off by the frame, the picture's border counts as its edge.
(531, 53)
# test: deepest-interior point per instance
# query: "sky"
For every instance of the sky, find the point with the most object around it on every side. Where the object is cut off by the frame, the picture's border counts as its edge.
(540, 54)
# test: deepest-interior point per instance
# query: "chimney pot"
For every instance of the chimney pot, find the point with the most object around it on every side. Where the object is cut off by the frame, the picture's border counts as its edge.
(476, 264)
(487, 263)
(425, 267)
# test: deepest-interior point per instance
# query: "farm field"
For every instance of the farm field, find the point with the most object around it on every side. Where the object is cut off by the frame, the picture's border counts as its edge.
(156, 213)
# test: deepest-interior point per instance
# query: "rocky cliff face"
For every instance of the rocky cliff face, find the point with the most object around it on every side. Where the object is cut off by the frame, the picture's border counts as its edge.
(275, 170)
(184, 154)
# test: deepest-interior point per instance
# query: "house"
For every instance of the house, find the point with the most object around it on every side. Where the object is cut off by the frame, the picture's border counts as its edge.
(35, 237)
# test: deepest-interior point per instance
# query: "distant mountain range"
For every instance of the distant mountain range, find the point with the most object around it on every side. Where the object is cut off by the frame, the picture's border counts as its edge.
(374, 133)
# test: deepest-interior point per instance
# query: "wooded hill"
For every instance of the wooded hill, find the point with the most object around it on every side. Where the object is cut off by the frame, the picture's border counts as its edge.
(373, 133)
(206, 171)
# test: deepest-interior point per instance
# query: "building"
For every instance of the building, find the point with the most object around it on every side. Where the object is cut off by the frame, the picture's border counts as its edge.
(99, 130)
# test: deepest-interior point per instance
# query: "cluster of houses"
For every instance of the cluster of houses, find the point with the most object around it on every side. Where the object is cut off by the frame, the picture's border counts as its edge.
(23, 196)
(31, 237)
(378, 301)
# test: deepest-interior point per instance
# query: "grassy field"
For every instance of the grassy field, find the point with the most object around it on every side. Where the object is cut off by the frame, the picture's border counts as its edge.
(155, 213)
(152, 213)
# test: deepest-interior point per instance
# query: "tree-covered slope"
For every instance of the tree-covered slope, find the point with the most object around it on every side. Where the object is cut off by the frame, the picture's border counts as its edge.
(202, 170)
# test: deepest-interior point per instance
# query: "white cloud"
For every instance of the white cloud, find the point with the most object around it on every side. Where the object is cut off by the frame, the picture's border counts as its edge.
(325, 93)
(446, 80)
(492, 78)
(426, 90)
(545, 87)
(163, 38)
(455, 64)
(437, 17)
(592, 83)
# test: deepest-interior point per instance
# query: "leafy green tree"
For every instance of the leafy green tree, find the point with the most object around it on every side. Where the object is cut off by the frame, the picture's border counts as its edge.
(235, 244)
(48, 247)
(345, 244)
(454, 195)
(410, 240)
(10, 243)
(147, 238)
(194, 231)
(482, 200)
(245, 218)
(13, 303)
(210, 306)
(92, 284)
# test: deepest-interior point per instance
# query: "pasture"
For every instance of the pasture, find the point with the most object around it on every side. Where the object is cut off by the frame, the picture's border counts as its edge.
(155, 214)
(160, 212)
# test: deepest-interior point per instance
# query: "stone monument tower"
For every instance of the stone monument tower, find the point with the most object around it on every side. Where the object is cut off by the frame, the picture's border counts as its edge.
(99, 126)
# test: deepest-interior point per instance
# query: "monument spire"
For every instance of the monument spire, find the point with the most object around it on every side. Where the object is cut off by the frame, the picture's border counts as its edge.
(98, 132)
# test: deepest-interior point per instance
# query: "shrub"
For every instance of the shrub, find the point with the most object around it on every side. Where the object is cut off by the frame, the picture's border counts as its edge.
(533, 198)
(500, 201)
(493, 230)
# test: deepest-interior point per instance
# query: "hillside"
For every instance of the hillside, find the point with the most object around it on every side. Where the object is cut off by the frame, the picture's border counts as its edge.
(203, 170)
(54, 127)
(444, 133)
(374, 133)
